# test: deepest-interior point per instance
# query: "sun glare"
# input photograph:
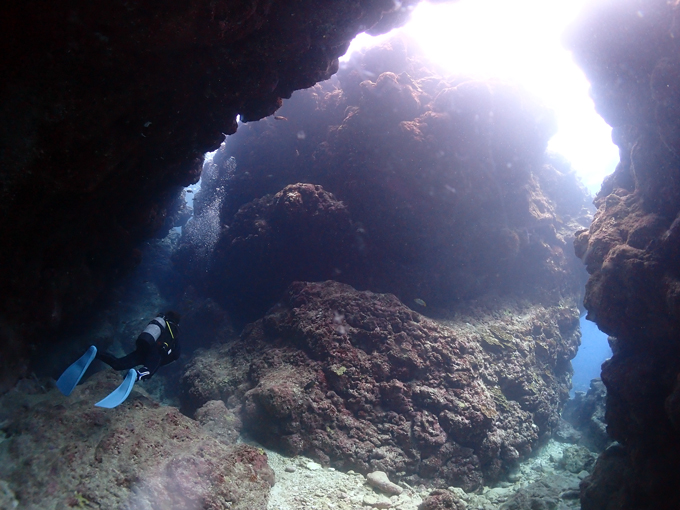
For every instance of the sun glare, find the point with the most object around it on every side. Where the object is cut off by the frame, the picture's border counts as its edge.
(519, 41)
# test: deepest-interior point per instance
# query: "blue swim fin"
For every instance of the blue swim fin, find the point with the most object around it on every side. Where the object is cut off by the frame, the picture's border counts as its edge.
(72, 375)
(118, 396)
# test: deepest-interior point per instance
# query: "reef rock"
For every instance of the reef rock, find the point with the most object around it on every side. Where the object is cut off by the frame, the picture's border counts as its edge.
(548, 493)
(219, 422)
(60, 452)
(629, 51)
(359, 381)
(442, 500)
(298, 233)
(586, 414)
(576, 459)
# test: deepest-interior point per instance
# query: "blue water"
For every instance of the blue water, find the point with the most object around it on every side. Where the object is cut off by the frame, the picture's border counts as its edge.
(593, 352)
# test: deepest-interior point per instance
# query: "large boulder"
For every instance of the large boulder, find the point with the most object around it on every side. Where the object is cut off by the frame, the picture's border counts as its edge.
(359, 381)
(301, 232)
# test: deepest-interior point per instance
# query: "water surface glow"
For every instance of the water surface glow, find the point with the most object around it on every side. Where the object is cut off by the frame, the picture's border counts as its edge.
(519, 41)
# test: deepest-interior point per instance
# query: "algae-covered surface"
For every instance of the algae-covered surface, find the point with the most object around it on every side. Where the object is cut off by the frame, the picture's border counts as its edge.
(62, 452)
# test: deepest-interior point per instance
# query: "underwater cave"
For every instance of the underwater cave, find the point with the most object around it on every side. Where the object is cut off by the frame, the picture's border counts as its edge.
(417, 255)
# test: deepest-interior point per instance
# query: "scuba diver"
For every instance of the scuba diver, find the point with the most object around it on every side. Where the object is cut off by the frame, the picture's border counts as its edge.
(156, 346)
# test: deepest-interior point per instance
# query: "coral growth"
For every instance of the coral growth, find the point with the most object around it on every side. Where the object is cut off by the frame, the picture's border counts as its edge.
(360, 381)
(63, 452)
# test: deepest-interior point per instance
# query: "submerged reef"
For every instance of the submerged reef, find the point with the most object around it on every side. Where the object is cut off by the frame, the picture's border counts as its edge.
(629, 50)
(392, 178)
(359, 381)
(62, 452)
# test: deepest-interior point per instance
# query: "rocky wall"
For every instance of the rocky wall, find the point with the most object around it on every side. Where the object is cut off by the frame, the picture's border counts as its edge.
(106, 111)
(629, 50)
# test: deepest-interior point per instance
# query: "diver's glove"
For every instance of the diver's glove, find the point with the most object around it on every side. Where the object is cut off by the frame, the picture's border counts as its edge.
(143, 374)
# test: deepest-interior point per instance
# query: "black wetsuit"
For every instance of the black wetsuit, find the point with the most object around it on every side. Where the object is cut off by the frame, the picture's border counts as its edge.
(157, 346)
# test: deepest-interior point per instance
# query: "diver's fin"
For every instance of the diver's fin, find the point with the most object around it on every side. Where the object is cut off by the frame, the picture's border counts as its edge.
(72, 375)
(118, 396)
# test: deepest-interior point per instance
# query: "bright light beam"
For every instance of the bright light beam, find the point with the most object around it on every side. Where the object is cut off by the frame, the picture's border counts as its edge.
(520, 41)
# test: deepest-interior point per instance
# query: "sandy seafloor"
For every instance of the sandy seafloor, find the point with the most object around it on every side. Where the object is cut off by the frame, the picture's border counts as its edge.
(303, 484)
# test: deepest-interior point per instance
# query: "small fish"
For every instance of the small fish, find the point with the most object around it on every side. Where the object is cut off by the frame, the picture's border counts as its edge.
(280, 117)
(420, 302)
(189, 191)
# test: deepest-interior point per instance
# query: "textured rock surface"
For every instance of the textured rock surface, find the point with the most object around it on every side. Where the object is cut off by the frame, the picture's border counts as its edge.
(586, 413)
(445, 186)
(629, 50)
(380, 481)
(301, 232)
(218, 421)
(546, 494)
(360, 381)
(60, 452)
(107, 110)
(442, 500)
(576, 459)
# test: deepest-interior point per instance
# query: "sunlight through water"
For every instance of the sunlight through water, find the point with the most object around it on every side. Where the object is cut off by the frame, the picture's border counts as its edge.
(519, 41)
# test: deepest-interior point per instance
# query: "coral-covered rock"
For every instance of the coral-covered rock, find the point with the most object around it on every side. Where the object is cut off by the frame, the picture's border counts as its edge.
(629, 50)
(586, 413)
(63, 452)
(442, 500)
(219, 422)
(446, 187)
(301, 232)
(545, 494)
(359, 381)
(576, 459)
(218, 376)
